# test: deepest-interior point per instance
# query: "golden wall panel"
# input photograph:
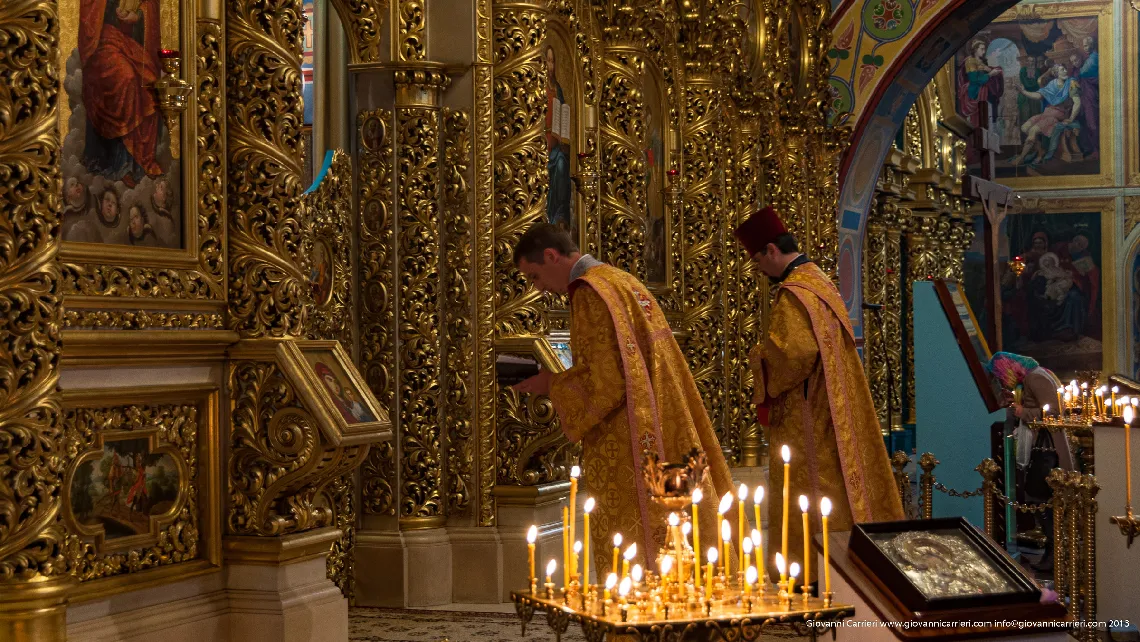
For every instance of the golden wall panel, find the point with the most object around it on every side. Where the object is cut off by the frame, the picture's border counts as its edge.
(339, 495)
(269, 246)
(328, 212)
(747, 305)
(409, 30)
(31, 539)
(378, 289)
(363, 21)
(624, 208)
(140, 491)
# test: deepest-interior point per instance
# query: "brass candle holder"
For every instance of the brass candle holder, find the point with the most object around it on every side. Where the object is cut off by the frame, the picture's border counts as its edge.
(1129, 525)
(171, 90)
(827, 597)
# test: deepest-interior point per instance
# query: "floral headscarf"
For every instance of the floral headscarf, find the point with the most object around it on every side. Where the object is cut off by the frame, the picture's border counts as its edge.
(1010, 369)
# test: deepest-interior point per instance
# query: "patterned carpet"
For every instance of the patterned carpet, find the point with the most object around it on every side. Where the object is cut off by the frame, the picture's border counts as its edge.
(404, 625)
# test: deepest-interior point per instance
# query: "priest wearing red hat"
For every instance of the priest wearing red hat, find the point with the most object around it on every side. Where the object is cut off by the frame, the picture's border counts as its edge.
(811, 392)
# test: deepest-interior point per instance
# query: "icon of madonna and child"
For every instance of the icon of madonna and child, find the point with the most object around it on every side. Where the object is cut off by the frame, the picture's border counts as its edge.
(343, 395)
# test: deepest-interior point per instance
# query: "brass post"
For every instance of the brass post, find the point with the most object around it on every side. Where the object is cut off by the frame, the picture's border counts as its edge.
(988, 469)
(899, 462)
(926, 483)
(1088, 490)
(1061, 548)
(1072, 522)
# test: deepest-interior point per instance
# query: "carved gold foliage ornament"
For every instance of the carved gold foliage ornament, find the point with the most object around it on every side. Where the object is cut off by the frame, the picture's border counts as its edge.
(378, 290)
(413, 29)
(211, 154)
(269, 294)
(174, 428)
(31, 458)
(520, 155)
(363, 22)
(624, 207)
(459, 302)
(328, 210)
(277, 455)
(339, 495)
(141, 320)
(532, 448)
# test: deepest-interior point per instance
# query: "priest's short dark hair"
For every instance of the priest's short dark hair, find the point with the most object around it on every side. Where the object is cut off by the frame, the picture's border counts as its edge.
(541, 237)
(787, 243)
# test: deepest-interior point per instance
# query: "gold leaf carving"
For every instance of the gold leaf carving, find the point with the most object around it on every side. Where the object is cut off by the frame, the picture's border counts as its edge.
(485, 276)
(329, 211)
(141, 320)
(413, 30)
(363, 22)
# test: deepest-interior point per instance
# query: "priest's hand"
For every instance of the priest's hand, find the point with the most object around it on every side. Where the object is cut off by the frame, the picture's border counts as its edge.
(539, 384)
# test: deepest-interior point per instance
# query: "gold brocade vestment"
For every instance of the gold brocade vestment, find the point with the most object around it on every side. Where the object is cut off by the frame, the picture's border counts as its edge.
(809, 374)
(630, 391)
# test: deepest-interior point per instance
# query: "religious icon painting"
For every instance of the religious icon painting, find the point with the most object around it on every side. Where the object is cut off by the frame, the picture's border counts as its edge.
(334, 391)
(120, 162)
(1049, 97)
(308, 10)
(321, 272)
(656, 247)
(560, 128)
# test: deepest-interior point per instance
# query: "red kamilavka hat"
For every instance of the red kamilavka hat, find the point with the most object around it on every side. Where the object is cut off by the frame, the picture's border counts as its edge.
(759, 230)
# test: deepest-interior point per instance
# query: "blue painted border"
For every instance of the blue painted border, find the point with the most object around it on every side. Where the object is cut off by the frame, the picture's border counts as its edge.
(321, 174)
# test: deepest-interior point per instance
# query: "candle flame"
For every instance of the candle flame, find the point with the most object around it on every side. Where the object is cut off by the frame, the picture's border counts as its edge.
(625, 586)
(1133, 401)
(786, 453)
(617, 540)
(726, 531)
(531, 534)
(1085, 386)
(825, 506)
(780, 563)
(550, 566)
(794, 570)
(636, 573)
(742, 492)
(803, 503)
(1073, 383)
(1099, 393)
(1115, 389)
(698, 496)
(1045, 409)
(712, 555)
(666, 564)
(575, 472)
(631, 552)
(755, 537)
(748, 545)
(673, 519)
(589, 507)
(758, 496)
(686, 528)
(750, 575)
(725, 503)
(578, 546)
(1128, 415)
(611, 581)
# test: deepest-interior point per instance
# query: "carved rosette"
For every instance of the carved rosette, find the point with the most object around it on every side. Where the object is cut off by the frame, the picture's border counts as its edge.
(268, 245)
(328, 215)
(32, 463)
(520, 155)
(624, 214)
(278, 456)
(378, 289)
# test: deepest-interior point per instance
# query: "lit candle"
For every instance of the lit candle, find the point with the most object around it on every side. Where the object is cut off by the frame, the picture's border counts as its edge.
(1060, 402)
(782, 569)
(630, 553)
(686, 528)
(674, 523)
(725, 537)
(741, 495)
(747, 547)
(786, 454)
(722, 510)
(617, 545)
(709, 576)
(565, 546)
(667, 568)
(793, 571)
(697, 497)
(611, 582)
(1115, 390)
(1133, 401)
(623, 590)
(749, 579)
(587, 509)
(636, 574)
(577, 552)
(550, 566)
(757, 497)
(758, 544)
(531, 535)
(1099, 402)
(807, 540)
(575, 472)
(825, 510)
(1045, 412)
(1128, 416)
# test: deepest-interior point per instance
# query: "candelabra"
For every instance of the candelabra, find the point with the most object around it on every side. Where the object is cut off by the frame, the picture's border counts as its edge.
(171, 90)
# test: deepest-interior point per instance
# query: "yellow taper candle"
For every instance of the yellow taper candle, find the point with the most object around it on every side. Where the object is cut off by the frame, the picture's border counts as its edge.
(749, 579)
(725, 538)
(630, 553)
(709, 576)
(550, 566)
(782, 568)
(758, 544)
(825, 510)
(786, 454)
(757, 498)
(1112, 408)
(675, 529)
(611, 582)
(575, 472)
(741, 495)
(1128, 417)
(747, 548)
(697, 497)
(807, 540)
(565, 546)
(577, 552)
(617, 545)
(722, 510)
(587, 509)
(793, 571)
(531, 536)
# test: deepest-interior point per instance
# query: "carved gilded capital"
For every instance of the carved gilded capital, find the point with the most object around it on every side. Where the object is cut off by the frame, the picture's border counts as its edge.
(420, 85)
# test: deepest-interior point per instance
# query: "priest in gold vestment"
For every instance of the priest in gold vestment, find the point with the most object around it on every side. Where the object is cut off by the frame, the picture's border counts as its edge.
(628, 392)
(812, 394)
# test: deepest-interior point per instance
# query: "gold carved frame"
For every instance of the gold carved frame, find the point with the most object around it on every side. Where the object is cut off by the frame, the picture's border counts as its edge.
(125, 287)
(290, 357)
(1131, 72)
(184, 542)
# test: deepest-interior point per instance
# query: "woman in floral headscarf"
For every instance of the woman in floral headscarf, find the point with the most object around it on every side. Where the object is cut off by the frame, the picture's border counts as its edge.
(1027, 388)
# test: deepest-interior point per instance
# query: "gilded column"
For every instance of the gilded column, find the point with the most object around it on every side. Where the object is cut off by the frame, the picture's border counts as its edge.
(893, 310)
(33, 575)
(922, 261)
(749, 302)
(419, 249)
(875, 293)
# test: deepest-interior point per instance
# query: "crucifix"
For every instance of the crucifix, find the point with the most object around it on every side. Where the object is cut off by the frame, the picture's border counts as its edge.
(995, 201)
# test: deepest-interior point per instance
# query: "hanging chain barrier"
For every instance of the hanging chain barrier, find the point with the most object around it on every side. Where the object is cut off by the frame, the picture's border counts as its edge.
(964, 494)
(1019, 507)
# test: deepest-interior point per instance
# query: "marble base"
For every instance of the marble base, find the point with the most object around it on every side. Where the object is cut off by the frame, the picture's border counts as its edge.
(189, 611)
(404, 569)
